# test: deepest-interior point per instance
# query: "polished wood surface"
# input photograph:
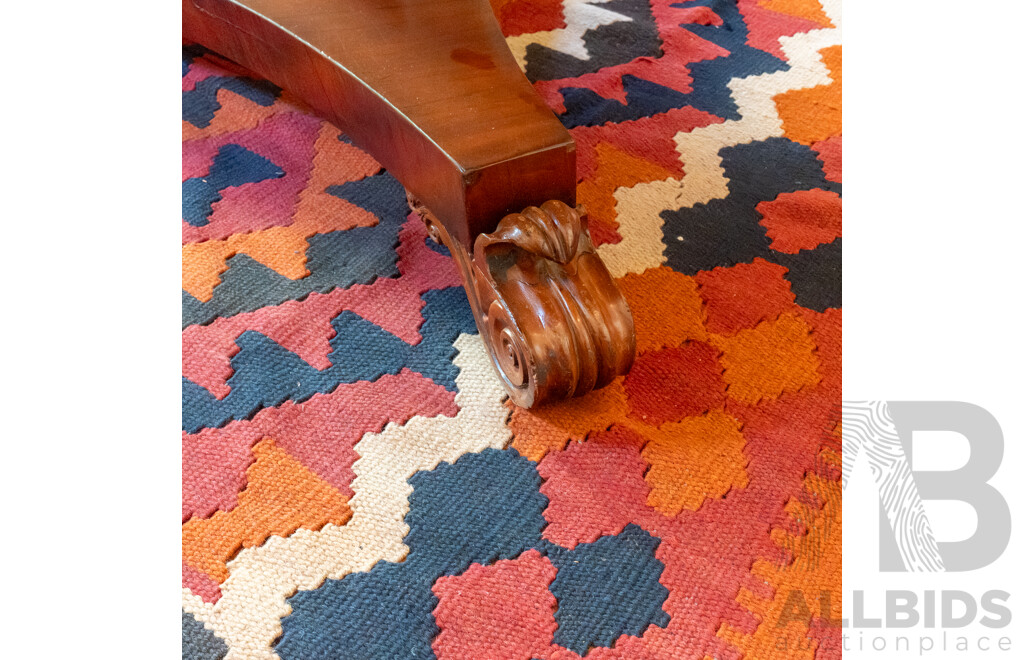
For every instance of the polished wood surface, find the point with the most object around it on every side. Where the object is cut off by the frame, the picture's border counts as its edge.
(430, 89)
(553, 320)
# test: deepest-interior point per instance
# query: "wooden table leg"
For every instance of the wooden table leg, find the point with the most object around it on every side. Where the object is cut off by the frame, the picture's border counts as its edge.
(429, 89)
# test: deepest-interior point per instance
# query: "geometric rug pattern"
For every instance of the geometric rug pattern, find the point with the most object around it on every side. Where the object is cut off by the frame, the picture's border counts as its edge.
(355, 483)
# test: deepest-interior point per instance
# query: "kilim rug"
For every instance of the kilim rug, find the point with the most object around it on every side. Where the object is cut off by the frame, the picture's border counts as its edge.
(354, 484)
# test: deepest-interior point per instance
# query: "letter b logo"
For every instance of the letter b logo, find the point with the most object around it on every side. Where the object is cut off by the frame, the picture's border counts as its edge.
(883, 431)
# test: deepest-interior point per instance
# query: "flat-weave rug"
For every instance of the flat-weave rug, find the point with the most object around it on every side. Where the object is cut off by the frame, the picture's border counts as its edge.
(354, 484)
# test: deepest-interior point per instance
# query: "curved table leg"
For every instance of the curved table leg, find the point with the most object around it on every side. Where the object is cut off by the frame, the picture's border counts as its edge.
(553, 320)
(429, 89)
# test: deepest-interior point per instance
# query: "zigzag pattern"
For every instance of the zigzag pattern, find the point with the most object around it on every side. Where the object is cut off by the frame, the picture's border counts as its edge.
(215, 460)
(618, 32)
(580, 17)
(709, 91)
(304, 326)
(267, 575)
(267, 375)
(336, 259)
(345, 441)
(233, 166)
(728, 231)
(271, 222)
(200, 104)
(806, 590)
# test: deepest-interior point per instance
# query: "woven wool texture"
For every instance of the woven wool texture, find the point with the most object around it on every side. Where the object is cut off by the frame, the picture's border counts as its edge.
(354, 484)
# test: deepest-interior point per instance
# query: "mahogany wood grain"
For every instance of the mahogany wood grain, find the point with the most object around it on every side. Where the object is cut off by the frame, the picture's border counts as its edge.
(430, 89)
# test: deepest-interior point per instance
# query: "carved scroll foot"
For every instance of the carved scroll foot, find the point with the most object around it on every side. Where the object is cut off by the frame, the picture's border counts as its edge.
(553, 320)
